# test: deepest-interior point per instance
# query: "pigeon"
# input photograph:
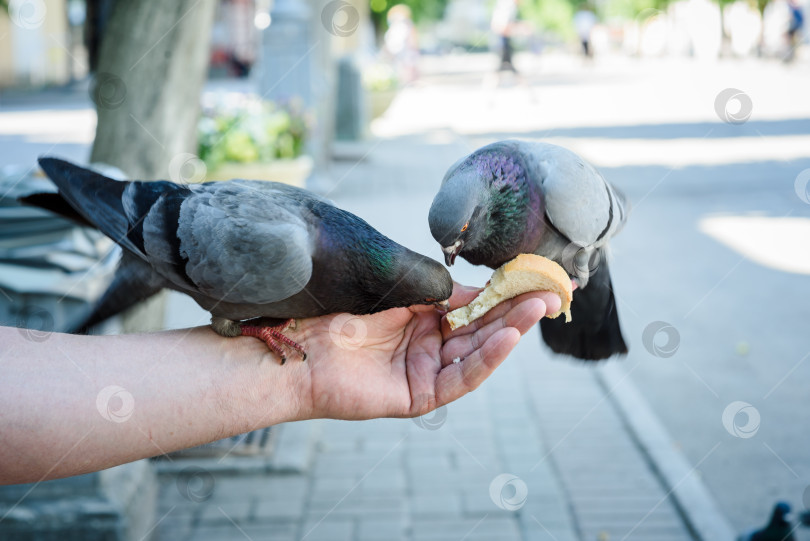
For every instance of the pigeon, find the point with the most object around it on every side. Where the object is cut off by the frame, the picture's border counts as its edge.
(514, 197)
(777, 529)
(247, 251)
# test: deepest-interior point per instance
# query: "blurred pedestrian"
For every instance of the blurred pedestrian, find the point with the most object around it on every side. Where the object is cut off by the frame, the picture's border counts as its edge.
(584, 21)
(402, 43)
(794, 31)
(505, 26)
(504, 17)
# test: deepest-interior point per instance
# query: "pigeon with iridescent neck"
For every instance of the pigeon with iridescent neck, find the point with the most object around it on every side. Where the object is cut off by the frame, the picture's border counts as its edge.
(243, 250)
(515, 197)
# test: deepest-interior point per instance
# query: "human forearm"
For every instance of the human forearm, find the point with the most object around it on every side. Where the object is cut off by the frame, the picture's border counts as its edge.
(75, 404)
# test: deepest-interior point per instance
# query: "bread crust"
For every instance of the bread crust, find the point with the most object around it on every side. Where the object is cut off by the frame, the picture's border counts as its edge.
(526, 272)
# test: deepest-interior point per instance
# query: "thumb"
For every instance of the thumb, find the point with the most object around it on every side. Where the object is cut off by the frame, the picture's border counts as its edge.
(463, 295)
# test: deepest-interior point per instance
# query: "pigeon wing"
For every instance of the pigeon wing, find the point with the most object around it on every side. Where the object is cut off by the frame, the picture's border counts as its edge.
(243, 244)
(579, 202)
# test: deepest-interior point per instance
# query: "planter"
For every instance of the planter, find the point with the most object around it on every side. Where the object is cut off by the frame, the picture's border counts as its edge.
(294, 171)
(379, 101)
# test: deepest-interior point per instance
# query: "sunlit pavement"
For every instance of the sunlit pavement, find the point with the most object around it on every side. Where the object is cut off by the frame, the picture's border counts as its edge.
(716, 249)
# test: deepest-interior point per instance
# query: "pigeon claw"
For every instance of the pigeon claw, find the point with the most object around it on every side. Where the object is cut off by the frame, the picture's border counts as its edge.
(275, 339)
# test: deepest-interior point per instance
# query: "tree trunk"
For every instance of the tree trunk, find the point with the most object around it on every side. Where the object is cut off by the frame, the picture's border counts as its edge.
(151, 69)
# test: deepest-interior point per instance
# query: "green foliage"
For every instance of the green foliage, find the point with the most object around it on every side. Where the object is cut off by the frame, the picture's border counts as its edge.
(380, 78)
(552, 15)
(421, 10)
(631, 9)
(247, 130)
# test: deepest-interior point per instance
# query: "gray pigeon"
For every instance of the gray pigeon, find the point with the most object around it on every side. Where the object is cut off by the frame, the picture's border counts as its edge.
(515, 197)
(243, 250)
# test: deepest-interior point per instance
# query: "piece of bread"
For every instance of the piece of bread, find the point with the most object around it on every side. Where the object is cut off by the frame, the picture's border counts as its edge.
(527, 272)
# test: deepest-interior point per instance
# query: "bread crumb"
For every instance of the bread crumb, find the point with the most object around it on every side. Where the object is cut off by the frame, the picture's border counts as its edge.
(457, 360)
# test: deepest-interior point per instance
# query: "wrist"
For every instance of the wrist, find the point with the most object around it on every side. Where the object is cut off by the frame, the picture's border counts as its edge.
(263, 392)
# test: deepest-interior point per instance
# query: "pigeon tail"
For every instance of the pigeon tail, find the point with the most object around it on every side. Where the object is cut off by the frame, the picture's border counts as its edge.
(134, 282)
(93, 196)
(595, 333)
(56, 204)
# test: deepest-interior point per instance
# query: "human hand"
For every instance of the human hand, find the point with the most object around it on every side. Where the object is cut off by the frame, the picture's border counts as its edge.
(399, 363)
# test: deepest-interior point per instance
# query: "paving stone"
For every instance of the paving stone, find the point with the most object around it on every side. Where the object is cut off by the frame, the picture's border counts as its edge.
(480, 503)
(292, 508)
(264, 486)
(489, 528)
(640, 533)
(388, 481)
(173, 534)
(358, 506)
(614, 504)
(254, 533)
(550, 534)
(238, 512)
(546, 512)
(431, 505)
(342, 466)
(329, 529)
(332, 485)
(380, 530)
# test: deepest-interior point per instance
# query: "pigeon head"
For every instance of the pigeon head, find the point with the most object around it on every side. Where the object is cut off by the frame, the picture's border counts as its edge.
(458, 213)
(416, 280)
(487, 211)
(392, 276)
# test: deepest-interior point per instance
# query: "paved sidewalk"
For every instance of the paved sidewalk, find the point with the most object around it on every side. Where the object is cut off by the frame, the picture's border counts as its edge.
(537, 453)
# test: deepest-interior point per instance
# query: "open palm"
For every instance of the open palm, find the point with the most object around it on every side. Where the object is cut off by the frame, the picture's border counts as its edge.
(400, 362)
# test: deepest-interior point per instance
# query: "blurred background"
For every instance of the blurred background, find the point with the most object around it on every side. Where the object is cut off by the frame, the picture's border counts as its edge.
(697, 109)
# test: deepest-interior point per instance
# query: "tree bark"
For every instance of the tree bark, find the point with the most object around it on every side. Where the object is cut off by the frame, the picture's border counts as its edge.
(151, 69)
(152, 65)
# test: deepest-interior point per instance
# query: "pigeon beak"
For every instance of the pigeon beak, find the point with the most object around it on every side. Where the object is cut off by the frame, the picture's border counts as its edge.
(442, 305)
(450, 252)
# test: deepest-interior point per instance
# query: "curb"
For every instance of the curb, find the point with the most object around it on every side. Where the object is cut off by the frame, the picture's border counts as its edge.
(693, 500)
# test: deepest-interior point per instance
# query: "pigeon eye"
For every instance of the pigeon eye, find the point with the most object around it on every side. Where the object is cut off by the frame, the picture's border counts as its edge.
(463, 229)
